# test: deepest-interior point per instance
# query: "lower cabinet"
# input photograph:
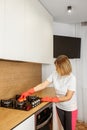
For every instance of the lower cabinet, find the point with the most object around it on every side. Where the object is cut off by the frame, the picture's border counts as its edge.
(28, 124)
(56, 122)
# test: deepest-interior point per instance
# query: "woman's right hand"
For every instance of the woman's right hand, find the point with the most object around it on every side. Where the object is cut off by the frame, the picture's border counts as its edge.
(25, 94)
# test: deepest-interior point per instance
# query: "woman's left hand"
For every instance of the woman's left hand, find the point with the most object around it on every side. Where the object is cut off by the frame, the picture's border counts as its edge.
(50, 99)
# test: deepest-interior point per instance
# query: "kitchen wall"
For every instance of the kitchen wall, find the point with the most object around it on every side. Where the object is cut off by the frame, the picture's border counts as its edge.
(17, 77)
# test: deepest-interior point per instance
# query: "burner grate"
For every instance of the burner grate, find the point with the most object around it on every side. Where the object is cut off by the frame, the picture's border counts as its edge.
(29, 103)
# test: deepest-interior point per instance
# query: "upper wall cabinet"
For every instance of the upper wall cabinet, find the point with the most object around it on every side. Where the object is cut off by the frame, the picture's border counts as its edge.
(25, 31)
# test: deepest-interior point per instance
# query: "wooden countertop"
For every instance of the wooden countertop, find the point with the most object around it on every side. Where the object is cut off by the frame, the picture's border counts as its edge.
(9, 118)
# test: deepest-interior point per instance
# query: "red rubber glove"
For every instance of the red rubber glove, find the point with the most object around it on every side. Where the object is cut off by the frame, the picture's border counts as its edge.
(50, 99)
(25, 94)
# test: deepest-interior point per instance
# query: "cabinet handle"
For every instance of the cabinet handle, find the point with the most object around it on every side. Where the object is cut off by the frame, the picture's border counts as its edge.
(44, 123)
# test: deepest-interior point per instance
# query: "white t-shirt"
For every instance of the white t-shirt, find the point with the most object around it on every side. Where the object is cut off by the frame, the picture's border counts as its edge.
(62, 84)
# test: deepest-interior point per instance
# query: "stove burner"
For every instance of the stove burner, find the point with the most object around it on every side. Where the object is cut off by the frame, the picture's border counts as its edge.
(30, 102)
(34, 100)
(20, 105)
(7, 103)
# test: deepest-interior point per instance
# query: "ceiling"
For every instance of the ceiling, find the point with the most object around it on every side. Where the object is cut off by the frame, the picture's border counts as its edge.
(58, 9)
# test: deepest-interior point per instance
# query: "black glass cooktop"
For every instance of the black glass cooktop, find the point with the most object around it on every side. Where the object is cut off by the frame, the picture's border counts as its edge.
(13, 103)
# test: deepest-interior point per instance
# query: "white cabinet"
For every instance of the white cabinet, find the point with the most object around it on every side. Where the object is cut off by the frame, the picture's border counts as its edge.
(25, 31)
(56, 122)
(28, 124)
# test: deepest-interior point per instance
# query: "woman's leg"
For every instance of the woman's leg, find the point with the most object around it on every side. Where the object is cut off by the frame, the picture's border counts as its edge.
(70, 120)
(61, 116)
(74, 119)
(67, 118)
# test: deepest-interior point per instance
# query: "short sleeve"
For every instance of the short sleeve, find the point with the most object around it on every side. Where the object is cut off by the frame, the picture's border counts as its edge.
(72, 84)
(50, 78)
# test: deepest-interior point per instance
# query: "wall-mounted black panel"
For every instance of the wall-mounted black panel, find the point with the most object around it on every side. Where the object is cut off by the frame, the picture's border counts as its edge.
(64, 45)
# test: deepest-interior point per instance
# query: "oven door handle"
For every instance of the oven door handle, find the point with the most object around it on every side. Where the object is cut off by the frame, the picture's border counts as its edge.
(44, 123)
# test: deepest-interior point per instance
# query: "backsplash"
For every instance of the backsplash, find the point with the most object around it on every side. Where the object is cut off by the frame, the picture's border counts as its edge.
(17, 77)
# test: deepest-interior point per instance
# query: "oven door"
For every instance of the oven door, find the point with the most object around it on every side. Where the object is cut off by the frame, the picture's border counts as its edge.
(44, 118)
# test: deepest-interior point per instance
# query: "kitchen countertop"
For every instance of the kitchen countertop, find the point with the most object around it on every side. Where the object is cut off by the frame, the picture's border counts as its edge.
(9, 118)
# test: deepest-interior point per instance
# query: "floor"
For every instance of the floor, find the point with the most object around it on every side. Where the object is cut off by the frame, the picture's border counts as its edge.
(81, 126)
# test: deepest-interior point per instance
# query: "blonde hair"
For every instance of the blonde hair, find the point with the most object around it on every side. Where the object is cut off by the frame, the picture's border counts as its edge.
(63, 65)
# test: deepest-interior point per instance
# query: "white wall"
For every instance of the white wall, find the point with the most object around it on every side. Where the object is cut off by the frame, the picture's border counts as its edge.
(60, 29)
(63, 29)
(25, 31)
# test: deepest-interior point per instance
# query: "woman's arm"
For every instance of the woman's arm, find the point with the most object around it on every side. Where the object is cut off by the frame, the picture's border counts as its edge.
(67, 97)
(41, 86)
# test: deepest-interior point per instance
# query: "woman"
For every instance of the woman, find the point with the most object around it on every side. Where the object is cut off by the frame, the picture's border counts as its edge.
(64, 83)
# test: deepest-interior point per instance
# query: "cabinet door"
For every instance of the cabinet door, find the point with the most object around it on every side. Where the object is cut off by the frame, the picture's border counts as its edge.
(38, 34)
(28, 124)
(25, 31)
(56, 122)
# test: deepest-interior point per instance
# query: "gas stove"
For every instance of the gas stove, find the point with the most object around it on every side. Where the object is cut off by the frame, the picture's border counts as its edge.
(13, 103)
